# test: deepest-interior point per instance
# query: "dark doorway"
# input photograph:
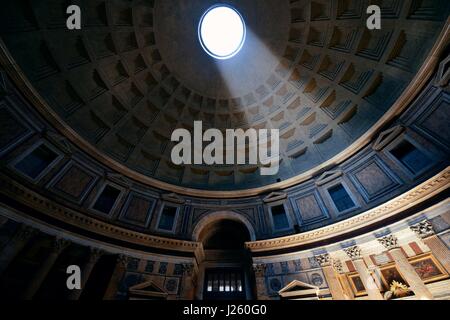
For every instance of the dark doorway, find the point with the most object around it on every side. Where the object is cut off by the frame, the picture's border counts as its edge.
(227, 263)
(99, 279)
(224, 284)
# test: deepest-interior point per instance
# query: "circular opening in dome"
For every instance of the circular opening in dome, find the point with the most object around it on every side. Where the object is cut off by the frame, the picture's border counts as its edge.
(222, 32)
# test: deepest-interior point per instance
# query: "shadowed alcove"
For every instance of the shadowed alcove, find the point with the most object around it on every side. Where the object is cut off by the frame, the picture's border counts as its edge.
(226, 262)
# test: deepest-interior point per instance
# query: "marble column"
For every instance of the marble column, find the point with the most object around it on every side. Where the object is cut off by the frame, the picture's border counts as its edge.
(15, 245)
(331, 276)
(118, 273)
(374, 271)
(425, 231)
(259, 271)
(188, 288)
(369, 283)
(58, 246)
(416, 284)
(86, 270)
(348, 292)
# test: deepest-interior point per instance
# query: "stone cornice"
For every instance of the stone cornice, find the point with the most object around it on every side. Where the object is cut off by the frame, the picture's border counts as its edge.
(413, 89)
(409, 199)
(72, 217)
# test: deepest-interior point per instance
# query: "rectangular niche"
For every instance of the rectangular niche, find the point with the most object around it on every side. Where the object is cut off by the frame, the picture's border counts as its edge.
(138, 210)
(36, 162)
(168, 218)
(341, 198)
(280, 219)
(310, 207)
(434, 117)
(12, 131)
(107, 199)
(73, 183)
(410, 155)
(374, 179)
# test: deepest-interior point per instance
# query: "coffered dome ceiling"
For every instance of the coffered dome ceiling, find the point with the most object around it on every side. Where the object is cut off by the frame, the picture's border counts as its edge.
(136, 71)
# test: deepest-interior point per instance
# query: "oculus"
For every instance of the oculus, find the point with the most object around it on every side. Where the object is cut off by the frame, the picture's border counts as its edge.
(222, 32)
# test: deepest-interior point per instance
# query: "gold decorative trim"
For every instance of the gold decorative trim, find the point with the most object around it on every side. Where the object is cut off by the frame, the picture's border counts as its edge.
(422, 192)
(78, 219)
(421, 78)
(426, 190)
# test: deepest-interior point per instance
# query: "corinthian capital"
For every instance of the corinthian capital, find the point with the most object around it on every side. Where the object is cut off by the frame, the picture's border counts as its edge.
(123, 260)
(95, 254)
(25, 233)
(259, 269)
(389, 242)
(353, 252)
(423, 229)
(59, 244)
(323, 259)
(188, 269)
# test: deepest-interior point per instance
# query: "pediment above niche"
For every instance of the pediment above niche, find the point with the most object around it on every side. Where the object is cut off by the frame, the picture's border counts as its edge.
(147, 290)
(328, 176)
(59, 140)
(173, 197)
(443, 76)
(298, 288)
(118, 178)
(2, 83)
(275, 196)
(386, 137)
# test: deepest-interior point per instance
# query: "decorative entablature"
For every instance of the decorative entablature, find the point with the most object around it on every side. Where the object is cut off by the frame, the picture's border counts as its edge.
(259, 269)
(78, 219)
(417, 195)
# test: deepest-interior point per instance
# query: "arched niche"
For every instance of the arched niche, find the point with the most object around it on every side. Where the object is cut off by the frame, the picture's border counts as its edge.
(219, 217)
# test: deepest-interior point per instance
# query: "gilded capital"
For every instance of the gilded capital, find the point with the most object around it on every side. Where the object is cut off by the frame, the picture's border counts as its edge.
(188, 269)
(59, 244)
(353, 252)
(259, 269)
(323, 259)
(123, 260)
(423, 229)
(389, 242)
(95, 254)
(25, 233)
